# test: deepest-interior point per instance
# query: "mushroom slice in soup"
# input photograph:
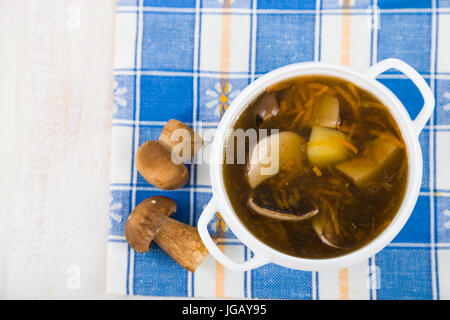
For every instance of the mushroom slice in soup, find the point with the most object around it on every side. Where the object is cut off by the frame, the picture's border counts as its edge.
(266, 107)
(301, 211)
(280, 151)
(327, 229)
(325, 112)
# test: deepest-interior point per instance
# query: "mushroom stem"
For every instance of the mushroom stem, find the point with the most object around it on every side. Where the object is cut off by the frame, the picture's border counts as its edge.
(150, 222)
(182, 243)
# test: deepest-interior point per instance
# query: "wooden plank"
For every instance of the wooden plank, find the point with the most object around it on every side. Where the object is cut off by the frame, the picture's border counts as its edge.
(56, 80)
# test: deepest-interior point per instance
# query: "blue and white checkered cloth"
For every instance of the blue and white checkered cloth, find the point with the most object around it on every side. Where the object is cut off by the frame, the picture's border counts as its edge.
(188, 59)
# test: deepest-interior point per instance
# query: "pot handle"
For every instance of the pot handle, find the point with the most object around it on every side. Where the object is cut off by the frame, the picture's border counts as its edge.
(417, 79)
(203, 221)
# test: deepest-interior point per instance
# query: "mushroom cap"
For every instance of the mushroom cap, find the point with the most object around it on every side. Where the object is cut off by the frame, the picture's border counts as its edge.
(154, 163)
(303, 211)
(274, 153)
(266, 107)
(176, 134)
(326, 230)
(325, 112)
(146, 219)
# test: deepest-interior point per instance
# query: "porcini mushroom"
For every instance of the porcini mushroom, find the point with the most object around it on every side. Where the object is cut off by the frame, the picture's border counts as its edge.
(161, 162)
(280, 151)
(266, 107)
(154, 163)
(299, 212)
(180, 138)
(150, 222)
(326, 230)
(325, 112)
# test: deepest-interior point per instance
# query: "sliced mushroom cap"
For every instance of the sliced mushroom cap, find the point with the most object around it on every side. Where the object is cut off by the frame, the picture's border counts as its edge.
(302, 211)
(284, 150)
(266, 107)
(145, 221)
(150, 222)
(326, 231)
(325, 112)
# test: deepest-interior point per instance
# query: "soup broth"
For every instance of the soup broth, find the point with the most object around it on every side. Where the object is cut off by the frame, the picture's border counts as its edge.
(342, 170)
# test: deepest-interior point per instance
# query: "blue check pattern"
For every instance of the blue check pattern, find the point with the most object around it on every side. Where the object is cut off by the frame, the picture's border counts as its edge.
(165, 80)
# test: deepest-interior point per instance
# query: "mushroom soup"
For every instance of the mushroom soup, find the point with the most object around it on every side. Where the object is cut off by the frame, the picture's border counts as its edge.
(341, 170)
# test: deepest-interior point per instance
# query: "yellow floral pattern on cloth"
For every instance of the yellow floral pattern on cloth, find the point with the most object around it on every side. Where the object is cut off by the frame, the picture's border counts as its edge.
(221, 97)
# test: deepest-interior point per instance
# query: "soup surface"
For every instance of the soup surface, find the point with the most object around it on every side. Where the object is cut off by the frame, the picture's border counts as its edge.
(341, 168)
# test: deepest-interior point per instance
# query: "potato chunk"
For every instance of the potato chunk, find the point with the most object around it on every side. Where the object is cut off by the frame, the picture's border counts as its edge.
(325, 146)
(376, 156)
(325, 112)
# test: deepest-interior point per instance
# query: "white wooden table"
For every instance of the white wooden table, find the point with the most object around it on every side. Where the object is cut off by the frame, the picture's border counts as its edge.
(56, 78)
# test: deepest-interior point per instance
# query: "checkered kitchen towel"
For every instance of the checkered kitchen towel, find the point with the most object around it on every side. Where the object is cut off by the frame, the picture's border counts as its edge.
(188, 59)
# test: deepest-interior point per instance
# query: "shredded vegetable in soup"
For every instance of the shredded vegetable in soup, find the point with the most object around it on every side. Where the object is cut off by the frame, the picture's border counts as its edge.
(341, 169)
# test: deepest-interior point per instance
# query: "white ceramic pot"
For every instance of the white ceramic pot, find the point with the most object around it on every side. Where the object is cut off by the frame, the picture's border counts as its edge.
(410, 129)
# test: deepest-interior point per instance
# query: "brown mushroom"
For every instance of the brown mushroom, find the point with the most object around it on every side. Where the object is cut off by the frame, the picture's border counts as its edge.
(273, 154)
(266, 108)
(154, 163)
(299, 212)
(161, 162)
(150, 221)
(326, 230)
(179, 137)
